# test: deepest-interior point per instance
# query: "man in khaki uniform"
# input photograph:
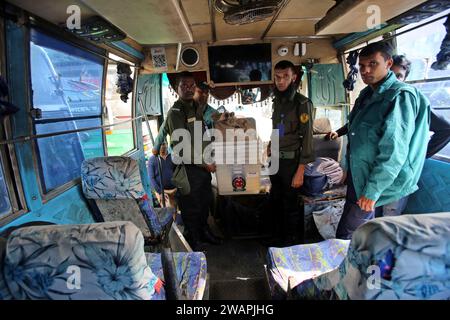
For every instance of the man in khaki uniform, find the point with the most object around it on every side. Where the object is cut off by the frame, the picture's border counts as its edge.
(293, 117)
(195, 205)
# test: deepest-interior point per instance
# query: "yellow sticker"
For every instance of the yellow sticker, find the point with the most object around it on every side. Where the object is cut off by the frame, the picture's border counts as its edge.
(304, 117)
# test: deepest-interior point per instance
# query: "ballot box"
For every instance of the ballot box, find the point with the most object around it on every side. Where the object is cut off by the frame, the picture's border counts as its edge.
(238, 160)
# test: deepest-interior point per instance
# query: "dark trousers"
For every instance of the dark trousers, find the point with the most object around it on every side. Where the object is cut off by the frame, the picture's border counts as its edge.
(287, 220)
(392, 209)
(195, 206)
(353, 216)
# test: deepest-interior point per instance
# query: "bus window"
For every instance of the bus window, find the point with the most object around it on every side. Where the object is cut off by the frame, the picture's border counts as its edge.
(119, 138)
(433, 83)
(336, 114)
(147, 141)
(169, 95)
(66, 84)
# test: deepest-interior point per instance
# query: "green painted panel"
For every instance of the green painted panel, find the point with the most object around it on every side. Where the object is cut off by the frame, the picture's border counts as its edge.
(326, 87)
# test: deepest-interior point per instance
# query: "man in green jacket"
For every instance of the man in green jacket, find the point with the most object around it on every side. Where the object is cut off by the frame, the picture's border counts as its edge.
(387, 141)
(292, 116)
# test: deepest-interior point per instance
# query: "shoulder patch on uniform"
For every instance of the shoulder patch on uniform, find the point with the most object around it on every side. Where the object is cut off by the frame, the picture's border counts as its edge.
(304, 117)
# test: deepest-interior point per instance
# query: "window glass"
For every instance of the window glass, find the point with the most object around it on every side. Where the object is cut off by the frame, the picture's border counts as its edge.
(61, 156)
(148, 145)
(429, 39)
(168, 94)
(438, 92)
(66, 83)
(119, 138)
(5, 203)
(335, 117)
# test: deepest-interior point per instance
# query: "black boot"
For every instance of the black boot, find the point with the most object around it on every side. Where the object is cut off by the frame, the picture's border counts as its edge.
(195, 242)
(209, 237)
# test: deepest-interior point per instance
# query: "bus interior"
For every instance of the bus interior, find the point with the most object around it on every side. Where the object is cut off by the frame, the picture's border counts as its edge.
(88, 85)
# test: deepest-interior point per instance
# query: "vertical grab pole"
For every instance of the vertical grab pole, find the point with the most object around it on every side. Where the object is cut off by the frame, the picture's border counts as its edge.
(168, 265)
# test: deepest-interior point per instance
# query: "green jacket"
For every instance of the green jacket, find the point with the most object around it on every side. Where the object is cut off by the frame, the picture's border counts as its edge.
(295, 114)
(388, 133)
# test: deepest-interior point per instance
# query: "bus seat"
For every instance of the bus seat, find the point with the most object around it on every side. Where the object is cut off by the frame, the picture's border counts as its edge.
(329, 198)
(389, 258)
(100, 261)
(287, 267)
(190, 269)
(323, 147)
(114, 186)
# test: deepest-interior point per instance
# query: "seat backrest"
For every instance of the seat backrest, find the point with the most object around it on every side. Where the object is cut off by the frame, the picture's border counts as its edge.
(114, 184)
(389, 258)
(71, 262)
(323, 147)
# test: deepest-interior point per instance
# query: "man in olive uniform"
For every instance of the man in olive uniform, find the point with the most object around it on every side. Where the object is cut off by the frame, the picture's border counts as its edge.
(195, 205)
(292, 116)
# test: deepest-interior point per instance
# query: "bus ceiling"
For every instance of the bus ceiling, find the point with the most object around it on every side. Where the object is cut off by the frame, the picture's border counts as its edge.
(326, 26)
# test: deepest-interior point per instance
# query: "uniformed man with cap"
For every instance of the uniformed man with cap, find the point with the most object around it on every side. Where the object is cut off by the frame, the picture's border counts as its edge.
(194, 205)
(292, 116)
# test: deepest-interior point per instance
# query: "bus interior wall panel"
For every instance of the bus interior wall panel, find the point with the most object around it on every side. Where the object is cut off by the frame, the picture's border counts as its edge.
(57, 209)
(68, 208)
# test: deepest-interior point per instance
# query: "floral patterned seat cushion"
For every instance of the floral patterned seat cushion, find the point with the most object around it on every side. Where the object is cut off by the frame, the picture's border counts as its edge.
(4, 291)
(93, 261)
(190, 270)
(411, 254)
(298, 263)
(111, 180)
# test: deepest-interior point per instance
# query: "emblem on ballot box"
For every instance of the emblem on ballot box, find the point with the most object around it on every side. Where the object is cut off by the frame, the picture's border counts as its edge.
(238, 181)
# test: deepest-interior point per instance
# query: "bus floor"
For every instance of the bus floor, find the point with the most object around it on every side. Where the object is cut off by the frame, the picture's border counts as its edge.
(236, 270)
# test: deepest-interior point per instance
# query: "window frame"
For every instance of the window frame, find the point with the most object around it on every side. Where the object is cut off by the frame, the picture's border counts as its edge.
(8, 157)
(441, 20)
(83, 45)
(437, 156)
(133, 108)
(11, 177)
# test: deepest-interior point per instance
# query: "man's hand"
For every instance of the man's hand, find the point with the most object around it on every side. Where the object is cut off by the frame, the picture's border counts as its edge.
(210, 168)
(366, 204)
(297, 181)
(155, 152)
(332, 135)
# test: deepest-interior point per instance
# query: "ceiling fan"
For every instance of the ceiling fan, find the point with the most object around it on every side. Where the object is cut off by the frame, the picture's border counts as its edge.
(239, 12)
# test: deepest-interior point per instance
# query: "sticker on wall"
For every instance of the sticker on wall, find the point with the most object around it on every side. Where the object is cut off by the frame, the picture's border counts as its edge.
(159, 58)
